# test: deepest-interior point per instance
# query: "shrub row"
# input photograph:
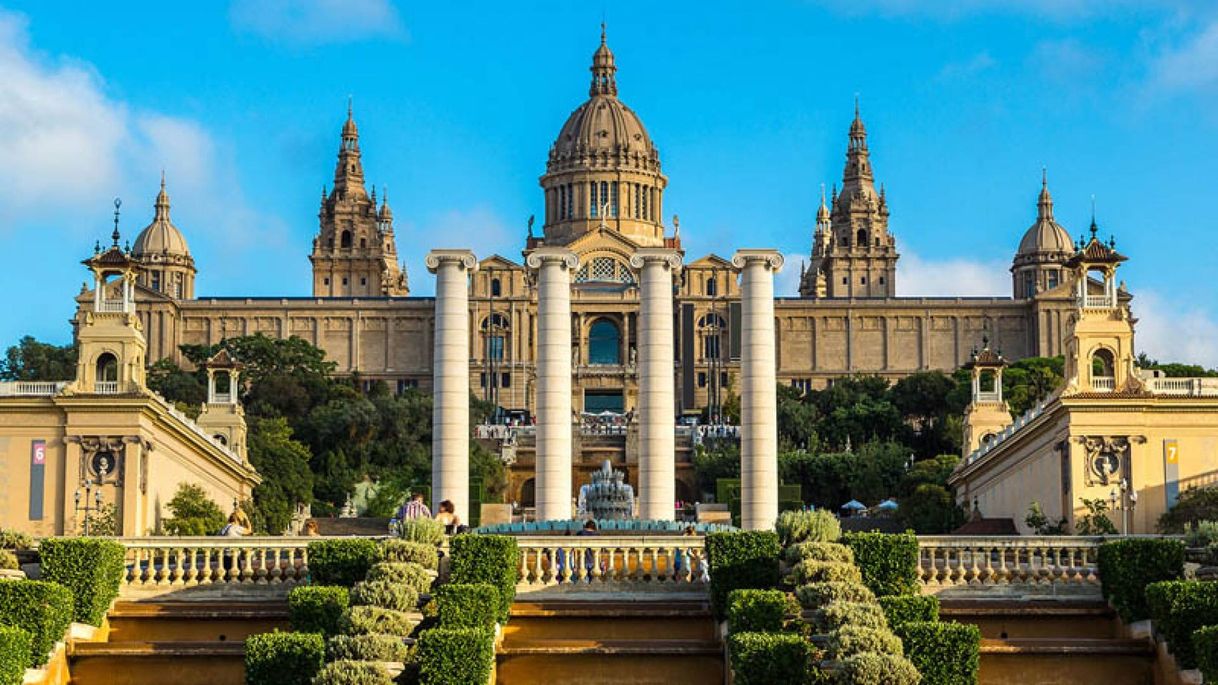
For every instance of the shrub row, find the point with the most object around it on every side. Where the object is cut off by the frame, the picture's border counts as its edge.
(491, 559)
(767, 658)
(14, 654)
(385, 594)
(283, 658)
(353, 673)
(903, 609)
(406, 551)
(1128, 566)
(366, 648)
(1205, 644)
(944, 653)
(812, 571)
(850, 640)
(92, 568)
(741, 560)
(42, 609)
(815, 595)
(456, 656)
(467, 605)
(879, 669)
(317, 608)
(403, 572)
(889, 563)
(373, 620)
(757, 611)
(342, 562)
(818, 551)
(794, 527)
(421, 530)
(1180, 608)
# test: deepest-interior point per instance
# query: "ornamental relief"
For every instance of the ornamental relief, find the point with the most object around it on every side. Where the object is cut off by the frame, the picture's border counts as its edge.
(1107, 458)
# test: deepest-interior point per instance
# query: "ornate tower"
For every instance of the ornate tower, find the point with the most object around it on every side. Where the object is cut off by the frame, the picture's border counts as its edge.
(1099, 338)
(814, 282)
(222, 416)
(1043, 251)
(355, 252)
(987, 414)
(859, 259)
(603, 169)
(160, 250)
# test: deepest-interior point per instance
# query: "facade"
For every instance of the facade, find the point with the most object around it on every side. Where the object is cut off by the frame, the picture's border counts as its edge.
(603, 194)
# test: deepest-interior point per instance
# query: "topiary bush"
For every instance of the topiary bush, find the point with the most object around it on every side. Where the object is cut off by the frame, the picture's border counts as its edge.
(456, 656)
(798, 526)
(92, 568)
(367, 648)
(41, 608)
(406, 551)
(816, 595)
(343, 561)
(889, 563)
(944, 653)
(810, 571)
(283, 658)
(14, 654)
(880, 669)
(1205, 645)
(1180, 609)
(405, 573)
(473, 605)
(850, 640)
(487, 559)
(371, 620)
(8, 560)
(384, 594)
(839, 614)
(1127, 566)
(901, 609)
(818, 551)
(757, 611)
(353, 673)
(740, 560)
(425, 531)
(317, 608)
(769, 658)
(11, 538)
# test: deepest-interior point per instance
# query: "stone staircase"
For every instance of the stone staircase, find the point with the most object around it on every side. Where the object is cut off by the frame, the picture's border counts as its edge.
(600, 642)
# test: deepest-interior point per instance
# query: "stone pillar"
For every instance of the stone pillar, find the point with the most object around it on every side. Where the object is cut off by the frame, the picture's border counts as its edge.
(450, 379)
(656, 405)
(758, 395)
(553, 484)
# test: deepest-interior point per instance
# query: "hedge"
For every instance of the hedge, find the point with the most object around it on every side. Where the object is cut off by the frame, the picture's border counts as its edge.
(425, 531)
(456, 656)
(370, 620)
(353, 673)
(797, 526)
(283, 658)
(14, 654)
(367, 648)
(850, 640)
(1181, 608)
(11, 538)
(769, 658)
(816, 595)
(462, 605)
(406, 573)
(944, 653)
(889, 562)
(811, 571)
(39, 607)
(1127, 566)
(901, 609)
(384, 594)
(317, 608)
(756, 611)
(8, 560)
(818, 551)
(486, 559)
(880, 669)
(406, 551)
(1205, 644)
(92, 568)
(342, 562)
(740, 560)
(839, 614)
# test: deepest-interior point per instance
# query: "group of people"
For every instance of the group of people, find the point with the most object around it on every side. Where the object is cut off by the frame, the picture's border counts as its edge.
(446, 513)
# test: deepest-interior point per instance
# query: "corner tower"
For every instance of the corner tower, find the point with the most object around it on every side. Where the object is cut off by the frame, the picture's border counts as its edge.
(355, 252)
(603, 168)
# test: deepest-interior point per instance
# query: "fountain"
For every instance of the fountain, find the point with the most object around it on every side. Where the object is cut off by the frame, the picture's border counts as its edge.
(607, 497)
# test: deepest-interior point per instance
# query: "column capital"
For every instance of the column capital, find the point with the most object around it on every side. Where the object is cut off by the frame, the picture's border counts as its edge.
(668, 257)
(772, 259)
(464, 258)
(544, 255)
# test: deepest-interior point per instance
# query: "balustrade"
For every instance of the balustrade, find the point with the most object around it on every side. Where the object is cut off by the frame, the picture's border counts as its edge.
(1027, 565)
(166, 563)
(599, 563)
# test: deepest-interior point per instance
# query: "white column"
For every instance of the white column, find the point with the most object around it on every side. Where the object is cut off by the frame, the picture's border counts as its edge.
(758, 396)
(450, 378)
(657, 405)
(553, 481)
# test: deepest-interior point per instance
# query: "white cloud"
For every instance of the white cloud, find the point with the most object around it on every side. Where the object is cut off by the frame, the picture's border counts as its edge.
(1066, 61)
(1192, 64)
(1171, 330)
(317, 22)
(918, 277)
(977, 64)
(477, 228)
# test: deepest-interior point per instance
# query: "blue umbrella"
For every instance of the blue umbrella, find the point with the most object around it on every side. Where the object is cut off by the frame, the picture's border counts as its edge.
(854, 505)
(887, 505)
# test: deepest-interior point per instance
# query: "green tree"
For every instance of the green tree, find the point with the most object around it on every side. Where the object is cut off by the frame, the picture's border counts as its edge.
(1193, 506)
(930, 510)
(722, 460)
(31, 360)
(283, 463)
(1096, 521)
(171, 382)
(192, 512)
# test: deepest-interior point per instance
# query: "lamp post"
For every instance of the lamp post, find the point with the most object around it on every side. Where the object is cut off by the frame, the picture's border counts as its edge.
(90, 500)
(1125, 499)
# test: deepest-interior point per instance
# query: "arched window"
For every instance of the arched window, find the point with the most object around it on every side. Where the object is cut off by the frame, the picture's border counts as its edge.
(495, 330)
(363, 242)
(604, 343)
(1102, 364)
(712, 287)
(224, 383)
(220, 438)
(107, 368)
(712, 328)
(862, 238)
(496, 288)
(346, 239)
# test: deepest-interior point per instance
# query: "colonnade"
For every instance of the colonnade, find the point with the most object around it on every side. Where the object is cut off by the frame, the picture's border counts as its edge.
(657, 267)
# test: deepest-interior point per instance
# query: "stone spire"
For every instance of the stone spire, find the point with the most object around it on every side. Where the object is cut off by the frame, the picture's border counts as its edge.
(603, 69)
(1044, 204)
(162, 202)
(857, 176)
(349, 172)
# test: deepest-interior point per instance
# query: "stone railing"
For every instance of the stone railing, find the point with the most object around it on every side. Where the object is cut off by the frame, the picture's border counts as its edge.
(567, 565)
(1103, 383)
(1190, 387)
(106, 387)
(950, 565)
(159, 565)
(31, 388)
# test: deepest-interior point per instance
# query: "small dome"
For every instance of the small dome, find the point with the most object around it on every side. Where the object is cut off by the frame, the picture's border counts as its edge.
(1045, 239)
(161, 240)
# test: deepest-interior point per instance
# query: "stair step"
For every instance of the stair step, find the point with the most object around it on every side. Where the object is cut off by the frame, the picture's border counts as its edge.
(1068, 647)
(199, 610)
(578, 646)
(194, 621)
(141, 648)
(595, 609)
(144, 662)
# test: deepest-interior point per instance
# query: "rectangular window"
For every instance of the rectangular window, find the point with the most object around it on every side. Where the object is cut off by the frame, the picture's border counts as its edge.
(863, 280)
(156, 280)
(1052, 282)
(723, 379)
(701, 380)
(711, 345)
(494, 345)
(613, 199)
(593, 204)
(482, 380)
(645, 193)
(562, 202)
(505, 380)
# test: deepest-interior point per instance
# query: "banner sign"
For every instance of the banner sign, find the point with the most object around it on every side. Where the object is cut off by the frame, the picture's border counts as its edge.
(38, 466)
(1171, 471)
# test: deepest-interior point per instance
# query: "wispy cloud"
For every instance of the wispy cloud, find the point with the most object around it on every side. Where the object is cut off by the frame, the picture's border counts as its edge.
(1191, 64)
(1175, 330)
(317, 22)
(919, 277)
(478, 228)
(1067, 62)
(969, 68)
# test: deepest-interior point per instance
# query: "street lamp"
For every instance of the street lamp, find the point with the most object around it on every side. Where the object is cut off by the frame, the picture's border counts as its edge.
(1125, 499)
(90, 501)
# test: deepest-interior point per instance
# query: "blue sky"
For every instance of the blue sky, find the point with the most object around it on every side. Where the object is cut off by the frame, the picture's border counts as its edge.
(458, 103)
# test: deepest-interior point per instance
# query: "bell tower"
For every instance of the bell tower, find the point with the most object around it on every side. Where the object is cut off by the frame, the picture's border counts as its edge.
(1098, 341)
(222, 416)
(987, 414)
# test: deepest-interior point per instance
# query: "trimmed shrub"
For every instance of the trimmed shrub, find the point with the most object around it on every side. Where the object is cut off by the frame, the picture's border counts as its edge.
(818, 551)
(456, 656)
(367, 648)
(11, 538)
(810, 571)
(487, 559)
(406, 551)
(903, 609)
(880, 669)
(317, 608)
(740, 560)
(1127, 566)
(8, 560)
(467, 606)
(798, 526)
(14, 654)
(850, 640)
(889, 563)
(39, 607)
(1181, 608)
(769, 658)
(1205, 644)
(944, 653)
(756, 611)
(92, 568)
(858, 614)
(405, 573)
(342, 562)
(384, 594)
(816, 595)
(425, 531)
(370, 620)
(283, 658)
(353, 673)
